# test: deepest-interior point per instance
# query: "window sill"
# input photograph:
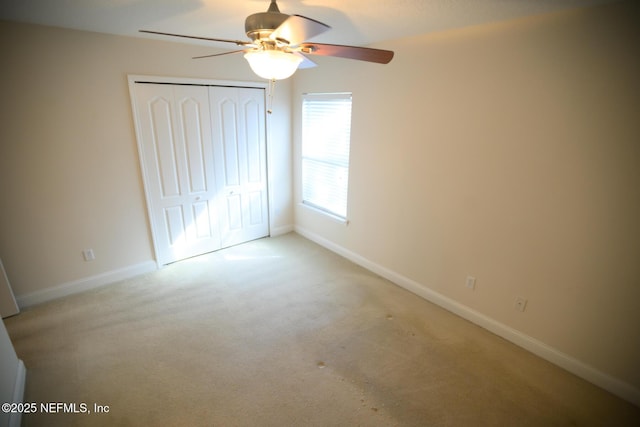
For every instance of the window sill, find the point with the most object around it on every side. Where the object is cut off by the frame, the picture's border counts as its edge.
(335, 218)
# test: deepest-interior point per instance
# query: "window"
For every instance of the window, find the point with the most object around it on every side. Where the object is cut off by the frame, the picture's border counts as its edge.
(326, 135)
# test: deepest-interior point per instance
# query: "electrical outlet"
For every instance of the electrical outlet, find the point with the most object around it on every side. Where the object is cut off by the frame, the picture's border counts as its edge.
(471, 282)
(88, 254)
(520, 304)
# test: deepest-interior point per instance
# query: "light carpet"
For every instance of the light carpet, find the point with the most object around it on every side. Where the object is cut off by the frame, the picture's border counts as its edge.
(282, 332)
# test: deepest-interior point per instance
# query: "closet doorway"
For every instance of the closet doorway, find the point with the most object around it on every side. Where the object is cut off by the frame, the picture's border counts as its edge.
(202, 151)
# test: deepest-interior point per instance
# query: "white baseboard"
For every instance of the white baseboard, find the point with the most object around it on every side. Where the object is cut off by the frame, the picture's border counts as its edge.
(18, 394)
(85, 284)
(279, 231)
(571, 364)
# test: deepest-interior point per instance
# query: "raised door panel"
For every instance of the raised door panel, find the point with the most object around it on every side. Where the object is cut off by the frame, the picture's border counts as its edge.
(254, 141)
(163, 145)
(195, 145)
(228, 119)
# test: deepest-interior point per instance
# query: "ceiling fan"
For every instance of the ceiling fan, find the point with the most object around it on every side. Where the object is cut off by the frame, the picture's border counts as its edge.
(279, 44)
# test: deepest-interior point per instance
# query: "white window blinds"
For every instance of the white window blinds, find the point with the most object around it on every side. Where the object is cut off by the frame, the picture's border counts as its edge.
(326, 135)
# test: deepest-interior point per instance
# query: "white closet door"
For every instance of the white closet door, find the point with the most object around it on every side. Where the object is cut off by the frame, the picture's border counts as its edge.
(239, 144)
(203, 152)
(177, 154)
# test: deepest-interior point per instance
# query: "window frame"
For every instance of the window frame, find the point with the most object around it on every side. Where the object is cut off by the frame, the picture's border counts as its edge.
(340, 155)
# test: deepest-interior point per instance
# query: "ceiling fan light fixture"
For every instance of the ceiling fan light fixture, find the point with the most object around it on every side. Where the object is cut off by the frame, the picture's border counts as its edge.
(273, 64)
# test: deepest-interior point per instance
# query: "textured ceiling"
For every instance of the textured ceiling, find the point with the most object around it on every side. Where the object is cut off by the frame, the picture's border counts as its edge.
(355, 22)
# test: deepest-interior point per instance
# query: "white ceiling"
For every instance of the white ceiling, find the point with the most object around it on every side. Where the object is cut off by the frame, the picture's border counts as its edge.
(353, 22)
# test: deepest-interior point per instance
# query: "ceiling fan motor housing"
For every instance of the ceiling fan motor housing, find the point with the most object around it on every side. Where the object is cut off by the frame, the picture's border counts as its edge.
(260, 25)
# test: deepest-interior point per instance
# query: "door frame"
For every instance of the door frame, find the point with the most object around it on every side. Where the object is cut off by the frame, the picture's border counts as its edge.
(139, 78)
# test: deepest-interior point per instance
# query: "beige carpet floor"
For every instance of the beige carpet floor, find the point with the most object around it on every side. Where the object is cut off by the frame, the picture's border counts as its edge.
(281, 332)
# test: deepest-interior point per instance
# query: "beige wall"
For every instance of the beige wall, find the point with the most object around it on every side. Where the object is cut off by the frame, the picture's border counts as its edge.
(510, 152)
(69, 168)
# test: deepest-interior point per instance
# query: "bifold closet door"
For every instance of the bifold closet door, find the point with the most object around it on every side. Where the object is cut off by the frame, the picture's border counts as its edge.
(177, 157)
(239, 144)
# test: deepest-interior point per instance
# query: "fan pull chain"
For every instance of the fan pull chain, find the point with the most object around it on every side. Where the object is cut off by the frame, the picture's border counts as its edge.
(272, 89)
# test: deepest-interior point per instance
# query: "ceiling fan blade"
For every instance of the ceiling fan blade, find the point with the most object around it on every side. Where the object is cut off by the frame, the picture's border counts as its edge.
(220, 54)
(238, 42)
(296, 29)
(306, 62)
(351, 52)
